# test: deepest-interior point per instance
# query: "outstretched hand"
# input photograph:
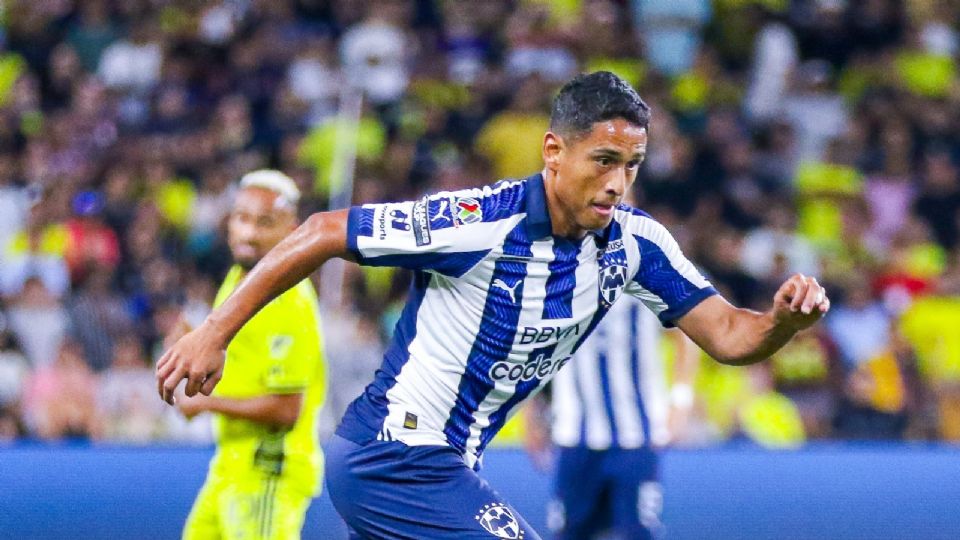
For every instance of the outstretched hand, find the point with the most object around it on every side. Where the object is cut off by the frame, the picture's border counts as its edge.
(800, 302)
(197, 357)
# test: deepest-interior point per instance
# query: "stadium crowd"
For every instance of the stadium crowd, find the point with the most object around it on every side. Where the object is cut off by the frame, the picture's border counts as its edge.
(814, 136)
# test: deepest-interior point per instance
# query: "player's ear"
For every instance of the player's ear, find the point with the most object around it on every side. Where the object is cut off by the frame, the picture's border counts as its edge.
(552, 150)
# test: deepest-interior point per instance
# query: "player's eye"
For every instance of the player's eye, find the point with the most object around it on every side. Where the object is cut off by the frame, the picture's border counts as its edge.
(633, 163)
(604, 161)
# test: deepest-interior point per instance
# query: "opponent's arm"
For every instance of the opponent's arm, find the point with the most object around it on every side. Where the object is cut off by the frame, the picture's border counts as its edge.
(199, 355)
(281, 410)
(739, 336)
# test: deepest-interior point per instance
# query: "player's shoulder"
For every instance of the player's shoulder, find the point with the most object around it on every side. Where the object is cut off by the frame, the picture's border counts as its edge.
(294, 306)
(636, 221)
(495, 202)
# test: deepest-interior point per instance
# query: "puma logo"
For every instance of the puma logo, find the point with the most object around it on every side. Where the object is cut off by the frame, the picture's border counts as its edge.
(441, 212)
(501, 284)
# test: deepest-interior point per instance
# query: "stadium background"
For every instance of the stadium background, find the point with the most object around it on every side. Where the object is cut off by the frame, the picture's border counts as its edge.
(820, 136)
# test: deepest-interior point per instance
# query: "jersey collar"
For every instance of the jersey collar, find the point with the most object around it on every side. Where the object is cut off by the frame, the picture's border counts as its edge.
(538, 217)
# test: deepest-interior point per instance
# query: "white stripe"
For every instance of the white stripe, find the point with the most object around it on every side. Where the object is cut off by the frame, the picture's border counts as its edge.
(531, 314)
(653, 384)
(619, 348)
(427, 384)
(566, 409)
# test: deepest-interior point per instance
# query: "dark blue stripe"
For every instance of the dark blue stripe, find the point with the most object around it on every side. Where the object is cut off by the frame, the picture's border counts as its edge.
(522, 390)
(498, 329)
(635, 347)
(562, 280)
(604, 369)
(658, 276)
(364, 417)
(359, 223)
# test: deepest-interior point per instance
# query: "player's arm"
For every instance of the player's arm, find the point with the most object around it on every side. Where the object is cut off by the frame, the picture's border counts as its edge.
(199, 355)
(280, 410)
(740, 336)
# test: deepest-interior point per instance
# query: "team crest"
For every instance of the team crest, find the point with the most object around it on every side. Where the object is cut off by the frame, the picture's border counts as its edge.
(498, 520)
(468, 210)
(612, 280)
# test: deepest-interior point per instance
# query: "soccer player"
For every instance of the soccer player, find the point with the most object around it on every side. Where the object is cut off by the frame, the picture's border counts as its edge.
(268, 464)
(508, 282)
(610, 415)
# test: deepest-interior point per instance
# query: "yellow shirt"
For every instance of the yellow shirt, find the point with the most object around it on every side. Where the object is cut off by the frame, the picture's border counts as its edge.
(278, 351)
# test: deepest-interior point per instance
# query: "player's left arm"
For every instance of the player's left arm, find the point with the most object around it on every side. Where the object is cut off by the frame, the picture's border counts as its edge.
(740, 336)
(280, 410)
(675, 290)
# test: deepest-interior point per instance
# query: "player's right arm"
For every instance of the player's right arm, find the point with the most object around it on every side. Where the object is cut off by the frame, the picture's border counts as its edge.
(448, 233)
(199, 355)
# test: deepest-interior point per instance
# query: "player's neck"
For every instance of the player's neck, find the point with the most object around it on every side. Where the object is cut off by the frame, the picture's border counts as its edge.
(562, 221)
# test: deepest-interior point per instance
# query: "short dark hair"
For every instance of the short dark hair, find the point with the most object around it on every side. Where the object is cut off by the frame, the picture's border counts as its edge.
(596, 97)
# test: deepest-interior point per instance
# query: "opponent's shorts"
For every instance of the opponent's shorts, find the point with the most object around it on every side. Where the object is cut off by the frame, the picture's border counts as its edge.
(251, 505)
(616, 491)
(388, 490)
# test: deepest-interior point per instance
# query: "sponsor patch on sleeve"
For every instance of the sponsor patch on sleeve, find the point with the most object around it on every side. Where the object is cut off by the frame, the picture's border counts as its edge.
(421, 222)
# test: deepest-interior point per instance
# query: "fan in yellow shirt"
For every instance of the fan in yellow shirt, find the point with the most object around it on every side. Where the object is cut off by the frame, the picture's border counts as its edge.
(268, 462)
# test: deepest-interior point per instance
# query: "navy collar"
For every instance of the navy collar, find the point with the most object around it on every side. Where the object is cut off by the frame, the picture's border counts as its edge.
(538, 216)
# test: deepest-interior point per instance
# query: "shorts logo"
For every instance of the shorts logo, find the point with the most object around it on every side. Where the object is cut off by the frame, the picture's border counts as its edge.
(421, 223)
(498, 520)
(469, 210)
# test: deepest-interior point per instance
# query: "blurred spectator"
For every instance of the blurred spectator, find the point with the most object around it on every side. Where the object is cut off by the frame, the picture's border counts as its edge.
(92, 33)
(39, 322)
(98, 317)
(59, 398)
(133, 63)
(374, 52)
(670, 31)
(14, 372)
(36, 251)
(511, 140)
(90, 242)
(127, 397)
(775, 57)
(775, 249)
(815, 111)
(938, 201)
(14, 200)
(859, 324)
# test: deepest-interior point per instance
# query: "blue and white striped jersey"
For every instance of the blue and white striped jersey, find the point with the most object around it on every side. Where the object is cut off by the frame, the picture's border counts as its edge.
(498, 305)
(613, 393)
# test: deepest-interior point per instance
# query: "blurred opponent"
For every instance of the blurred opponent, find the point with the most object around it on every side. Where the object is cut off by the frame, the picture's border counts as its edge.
(268, 462)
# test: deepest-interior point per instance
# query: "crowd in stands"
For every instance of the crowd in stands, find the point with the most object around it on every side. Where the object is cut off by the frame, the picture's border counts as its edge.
(813, 136)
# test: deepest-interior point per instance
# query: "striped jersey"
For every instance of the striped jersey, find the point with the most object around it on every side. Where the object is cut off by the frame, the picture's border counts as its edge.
(497, 305)
(613, 393)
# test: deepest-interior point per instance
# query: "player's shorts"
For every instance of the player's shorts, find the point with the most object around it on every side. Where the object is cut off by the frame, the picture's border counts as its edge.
(616, 490)
(388, 490)
(251, 505)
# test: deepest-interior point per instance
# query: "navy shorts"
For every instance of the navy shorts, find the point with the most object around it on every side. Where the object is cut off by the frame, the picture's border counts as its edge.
(615, 491)
(386, 489)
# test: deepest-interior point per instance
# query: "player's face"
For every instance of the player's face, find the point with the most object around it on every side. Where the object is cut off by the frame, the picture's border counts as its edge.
(592, 174)
(257, 223)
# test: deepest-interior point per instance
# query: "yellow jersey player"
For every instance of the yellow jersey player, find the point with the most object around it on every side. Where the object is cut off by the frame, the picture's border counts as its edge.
(268, 462)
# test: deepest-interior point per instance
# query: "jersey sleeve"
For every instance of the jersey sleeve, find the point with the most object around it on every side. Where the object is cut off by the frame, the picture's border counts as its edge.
(448, 232)
(664, 279)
